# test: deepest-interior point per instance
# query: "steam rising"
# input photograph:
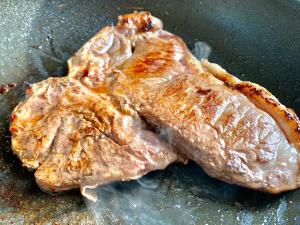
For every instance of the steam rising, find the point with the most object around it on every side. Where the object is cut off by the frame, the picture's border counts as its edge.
(129, 203)
(201, 50)
(151, 200)
(148, 183)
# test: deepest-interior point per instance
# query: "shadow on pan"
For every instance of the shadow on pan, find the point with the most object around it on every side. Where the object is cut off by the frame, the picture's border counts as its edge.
(256, 40)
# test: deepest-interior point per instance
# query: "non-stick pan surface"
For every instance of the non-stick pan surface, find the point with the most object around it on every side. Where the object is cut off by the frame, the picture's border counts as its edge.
(257, 40)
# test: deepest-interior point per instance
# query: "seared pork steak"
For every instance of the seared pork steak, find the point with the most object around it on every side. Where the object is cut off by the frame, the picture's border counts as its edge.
(86, 129)
(76, 138)
(237, 131)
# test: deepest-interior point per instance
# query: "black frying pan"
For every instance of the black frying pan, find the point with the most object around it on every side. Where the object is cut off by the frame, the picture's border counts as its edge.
(257, 40)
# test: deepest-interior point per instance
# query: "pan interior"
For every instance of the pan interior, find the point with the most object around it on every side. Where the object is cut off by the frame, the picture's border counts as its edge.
(256, 40)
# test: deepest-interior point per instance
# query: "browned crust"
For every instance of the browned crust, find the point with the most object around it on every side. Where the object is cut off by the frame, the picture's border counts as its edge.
(140, 22)
(263, 99)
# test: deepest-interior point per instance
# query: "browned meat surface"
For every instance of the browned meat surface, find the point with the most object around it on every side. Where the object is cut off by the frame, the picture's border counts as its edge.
(86, 128)
(75, 135)
(75, 138)
(229, 130)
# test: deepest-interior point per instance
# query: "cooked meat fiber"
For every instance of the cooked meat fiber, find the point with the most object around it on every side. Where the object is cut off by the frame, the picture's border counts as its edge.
(74, 137)
(237, 131)
(85, 130)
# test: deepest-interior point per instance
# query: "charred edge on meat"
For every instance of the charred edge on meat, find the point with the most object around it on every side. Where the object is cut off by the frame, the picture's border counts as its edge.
(13, 117)
(203, 91)
(253, 91)
(146, 26)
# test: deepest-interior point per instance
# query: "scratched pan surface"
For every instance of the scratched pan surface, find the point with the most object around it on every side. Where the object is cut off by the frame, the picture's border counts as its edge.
(256, 40)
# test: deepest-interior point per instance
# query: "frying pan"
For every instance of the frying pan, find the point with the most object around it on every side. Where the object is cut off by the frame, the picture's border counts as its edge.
(256, 40)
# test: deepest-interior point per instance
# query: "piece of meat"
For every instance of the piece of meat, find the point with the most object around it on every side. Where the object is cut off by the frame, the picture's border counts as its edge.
(237, 131)
(75, 138)
(87, 123)
(74, 135)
